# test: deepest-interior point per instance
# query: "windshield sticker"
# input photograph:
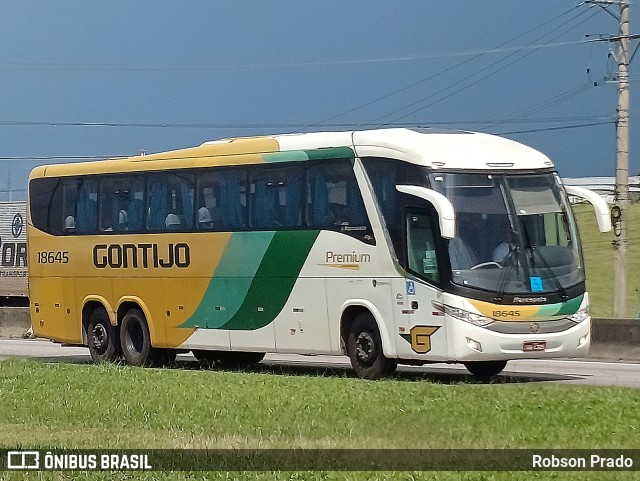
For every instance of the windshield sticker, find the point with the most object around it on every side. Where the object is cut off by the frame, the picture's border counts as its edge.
(536, 284)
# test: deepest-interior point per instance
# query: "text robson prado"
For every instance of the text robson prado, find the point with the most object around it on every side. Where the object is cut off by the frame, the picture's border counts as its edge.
(592, 462)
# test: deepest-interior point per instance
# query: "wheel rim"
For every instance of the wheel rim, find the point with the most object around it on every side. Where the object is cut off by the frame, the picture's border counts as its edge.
(365, 348)
(100, 338)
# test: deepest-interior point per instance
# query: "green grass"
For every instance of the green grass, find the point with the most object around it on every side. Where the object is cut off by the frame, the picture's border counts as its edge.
(111, 406)
(598, 253)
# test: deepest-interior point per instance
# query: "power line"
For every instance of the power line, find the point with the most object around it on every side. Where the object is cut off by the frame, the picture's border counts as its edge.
(553, 101)
(273, 126)
(484, 77)
(187, 68)
(79, 158)
(562, 127)
(438, 74)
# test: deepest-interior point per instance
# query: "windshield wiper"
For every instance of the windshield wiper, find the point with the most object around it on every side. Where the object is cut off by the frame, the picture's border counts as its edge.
(508, 265)
(534, 250)
(562, 291)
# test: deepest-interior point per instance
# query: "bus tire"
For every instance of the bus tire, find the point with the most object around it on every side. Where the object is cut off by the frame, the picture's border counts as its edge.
(102, 337)
(364, 347)
(391, 368)
(238, 358)
(135, 339)
(485, 369)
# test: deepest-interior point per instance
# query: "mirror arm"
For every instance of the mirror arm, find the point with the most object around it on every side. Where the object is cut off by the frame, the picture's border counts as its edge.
(601, 208)
(446, 212)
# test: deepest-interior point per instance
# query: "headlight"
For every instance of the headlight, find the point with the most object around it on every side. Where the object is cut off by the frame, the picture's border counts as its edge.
(580, 316)
(466, 316)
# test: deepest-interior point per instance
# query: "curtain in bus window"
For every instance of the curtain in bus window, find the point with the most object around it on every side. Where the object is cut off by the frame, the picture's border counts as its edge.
(158, 201)
(231, 204)
(128, 203)
(320, 213)
(87, 210)
(227, 204)
(186, 194)
(293, 198)
(108, 206)
(264, 204)
(136, 209)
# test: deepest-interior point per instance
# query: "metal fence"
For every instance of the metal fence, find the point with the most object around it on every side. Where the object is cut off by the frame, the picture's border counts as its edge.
(10, 195)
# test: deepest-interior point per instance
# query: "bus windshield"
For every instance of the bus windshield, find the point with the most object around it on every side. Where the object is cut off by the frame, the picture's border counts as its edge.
(514, 233)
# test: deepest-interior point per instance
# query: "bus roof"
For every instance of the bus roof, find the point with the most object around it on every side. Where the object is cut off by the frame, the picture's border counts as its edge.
(437, 149)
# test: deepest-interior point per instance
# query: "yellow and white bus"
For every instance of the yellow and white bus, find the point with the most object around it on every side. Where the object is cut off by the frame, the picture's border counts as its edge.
(389, 246)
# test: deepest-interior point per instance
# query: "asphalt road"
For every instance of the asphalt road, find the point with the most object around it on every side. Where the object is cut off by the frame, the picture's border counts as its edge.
(587, 372)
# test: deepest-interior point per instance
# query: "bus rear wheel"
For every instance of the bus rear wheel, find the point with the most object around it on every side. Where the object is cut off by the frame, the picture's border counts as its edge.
(135, 339)
(485, 369)
(364, 347)
(102, 337)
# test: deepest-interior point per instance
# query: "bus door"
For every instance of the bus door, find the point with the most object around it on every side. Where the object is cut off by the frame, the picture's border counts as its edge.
(420, 325)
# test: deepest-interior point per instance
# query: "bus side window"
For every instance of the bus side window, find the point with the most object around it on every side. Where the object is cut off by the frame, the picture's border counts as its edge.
(171, 205)
(335, 202)
(278, 195)
(421, 247)
(221, 200)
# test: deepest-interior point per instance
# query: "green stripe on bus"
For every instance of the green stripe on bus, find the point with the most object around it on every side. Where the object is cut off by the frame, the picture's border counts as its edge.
(331, 153)
(312, 154)
(570, 307)
(231, 280)
(287, 156)
(274, 280)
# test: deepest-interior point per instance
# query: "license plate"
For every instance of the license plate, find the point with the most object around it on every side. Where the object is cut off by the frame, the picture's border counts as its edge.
(534, 346)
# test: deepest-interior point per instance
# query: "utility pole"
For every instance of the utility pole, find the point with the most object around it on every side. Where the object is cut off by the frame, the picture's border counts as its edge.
(621, 202)
(623, 57)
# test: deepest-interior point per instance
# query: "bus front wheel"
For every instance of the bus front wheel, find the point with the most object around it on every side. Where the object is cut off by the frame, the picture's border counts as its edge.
(485, 369)
(135, 339)
(102, 337)
(364, 347)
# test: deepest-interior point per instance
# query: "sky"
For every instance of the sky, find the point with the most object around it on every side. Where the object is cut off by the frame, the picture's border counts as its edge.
(94, 79)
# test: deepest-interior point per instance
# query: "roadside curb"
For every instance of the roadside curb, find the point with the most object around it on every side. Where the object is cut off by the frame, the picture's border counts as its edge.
(14, 322)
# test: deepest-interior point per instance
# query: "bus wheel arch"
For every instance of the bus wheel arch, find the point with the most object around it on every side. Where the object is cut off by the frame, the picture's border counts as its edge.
(101, 335)
(128, 303)
(362, 340)
(350, 311)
